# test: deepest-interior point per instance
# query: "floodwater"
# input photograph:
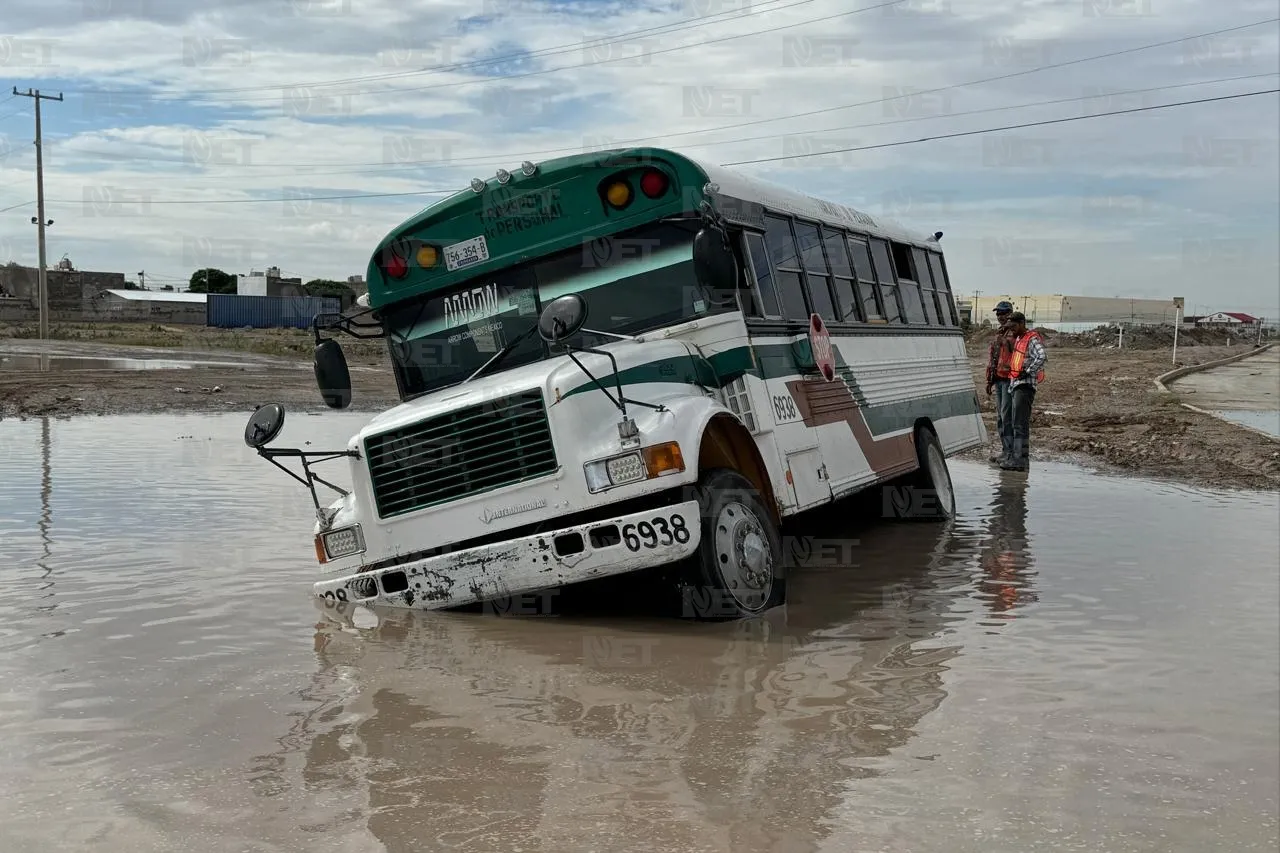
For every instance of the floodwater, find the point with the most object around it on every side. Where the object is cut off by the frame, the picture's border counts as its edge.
(1246, 392)
(1079, 663)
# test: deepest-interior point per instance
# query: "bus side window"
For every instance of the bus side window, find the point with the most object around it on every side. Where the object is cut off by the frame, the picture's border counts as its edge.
(908, 287)
(841, 276)
(927, 287)
(816, 273)
(786, 268)
(764, 302)
(940, 283)
(866, 275)
(888, 284)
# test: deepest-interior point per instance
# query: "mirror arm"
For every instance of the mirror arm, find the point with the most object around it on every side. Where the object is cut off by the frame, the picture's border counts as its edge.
(622, 400)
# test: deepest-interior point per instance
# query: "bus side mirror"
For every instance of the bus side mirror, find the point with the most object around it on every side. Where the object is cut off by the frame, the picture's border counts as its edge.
(332, 374)
(562, 318)
(714, 264)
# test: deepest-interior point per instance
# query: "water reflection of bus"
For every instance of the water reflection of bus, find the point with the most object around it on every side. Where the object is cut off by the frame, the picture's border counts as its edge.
(481, 734)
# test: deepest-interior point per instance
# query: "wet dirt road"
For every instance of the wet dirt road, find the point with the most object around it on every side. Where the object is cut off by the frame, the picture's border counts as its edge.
(1077, 664)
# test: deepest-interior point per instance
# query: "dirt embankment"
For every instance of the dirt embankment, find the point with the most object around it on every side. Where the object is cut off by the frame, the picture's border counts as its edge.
(1098, 403)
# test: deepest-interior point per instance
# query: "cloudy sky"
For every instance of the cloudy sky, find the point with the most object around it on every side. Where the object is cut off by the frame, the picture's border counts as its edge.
(216, 133)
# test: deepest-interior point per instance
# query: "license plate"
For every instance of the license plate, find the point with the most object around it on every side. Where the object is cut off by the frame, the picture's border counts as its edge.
(663, 529)
(465, 254)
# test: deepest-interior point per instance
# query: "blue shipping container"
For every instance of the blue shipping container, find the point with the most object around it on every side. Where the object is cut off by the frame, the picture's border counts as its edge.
(238, 311)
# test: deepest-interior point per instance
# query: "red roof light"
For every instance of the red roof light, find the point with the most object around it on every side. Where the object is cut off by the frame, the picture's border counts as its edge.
(653, 183)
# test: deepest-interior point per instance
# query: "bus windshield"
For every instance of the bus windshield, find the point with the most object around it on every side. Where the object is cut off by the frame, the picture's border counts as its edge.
(633, 282)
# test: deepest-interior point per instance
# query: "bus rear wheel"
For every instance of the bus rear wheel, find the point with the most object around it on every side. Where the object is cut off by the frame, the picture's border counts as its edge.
(738, 570)
(926, 493)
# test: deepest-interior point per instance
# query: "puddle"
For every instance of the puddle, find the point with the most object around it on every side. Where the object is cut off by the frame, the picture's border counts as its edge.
(59, 363)
(1268, 422)
(1079, 662)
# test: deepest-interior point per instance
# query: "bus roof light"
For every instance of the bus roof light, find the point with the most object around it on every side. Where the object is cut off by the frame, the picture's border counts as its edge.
(653, 183)
(503, 176)
(527, 169)
(619, 194)
(477, 185)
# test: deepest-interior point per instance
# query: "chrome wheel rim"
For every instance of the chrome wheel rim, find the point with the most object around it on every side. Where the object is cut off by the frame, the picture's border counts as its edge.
(743, 556)
(941, 480)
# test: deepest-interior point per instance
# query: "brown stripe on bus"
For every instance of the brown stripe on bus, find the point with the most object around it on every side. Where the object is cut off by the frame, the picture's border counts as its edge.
(820, 403)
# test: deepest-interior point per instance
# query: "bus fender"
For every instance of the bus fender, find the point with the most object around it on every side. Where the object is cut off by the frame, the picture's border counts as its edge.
(723, 441)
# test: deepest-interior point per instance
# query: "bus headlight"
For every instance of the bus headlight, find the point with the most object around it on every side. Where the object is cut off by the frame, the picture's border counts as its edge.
(657, 460)
(339, 543)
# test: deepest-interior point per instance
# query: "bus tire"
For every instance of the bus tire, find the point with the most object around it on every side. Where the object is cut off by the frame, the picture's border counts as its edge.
(738, 569)
(926, 494)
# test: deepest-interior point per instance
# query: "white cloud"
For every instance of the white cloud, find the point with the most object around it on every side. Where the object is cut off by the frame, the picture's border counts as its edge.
(1114, 200)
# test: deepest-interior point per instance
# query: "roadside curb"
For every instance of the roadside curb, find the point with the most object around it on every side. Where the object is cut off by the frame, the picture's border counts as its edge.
(1180, 372)
(1196, 368)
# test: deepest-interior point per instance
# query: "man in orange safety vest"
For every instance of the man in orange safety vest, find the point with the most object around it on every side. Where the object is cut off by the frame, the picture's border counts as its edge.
(1026, 372)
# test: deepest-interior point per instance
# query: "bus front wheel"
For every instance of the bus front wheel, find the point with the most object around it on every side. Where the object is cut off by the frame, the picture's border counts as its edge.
(738, 570)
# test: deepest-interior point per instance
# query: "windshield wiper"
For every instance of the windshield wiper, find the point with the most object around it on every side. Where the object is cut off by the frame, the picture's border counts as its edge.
(502, 353)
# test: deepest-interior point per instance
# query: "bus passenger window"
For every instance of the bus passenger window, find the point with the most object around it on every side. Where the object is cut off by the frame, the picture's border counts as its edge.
(786, 268)
(815, 270)
(846, 292)
(926, 286)
(943, 287)
(766, 302)
(888, 284)
(908, 287)
(860, 252)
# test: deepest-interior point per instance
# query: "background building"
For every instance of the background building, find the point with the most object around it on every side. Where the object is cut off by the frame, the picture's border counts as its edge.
(1081, 313)
(268, 283)
(157, 306)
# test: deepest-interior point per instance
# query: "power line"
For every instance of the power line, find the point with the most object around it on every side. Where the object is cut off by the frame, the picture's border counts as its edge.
(513, 157)
(537, 54)
(1007, 127)
(389, 169)
(542, 71)
(746, 162)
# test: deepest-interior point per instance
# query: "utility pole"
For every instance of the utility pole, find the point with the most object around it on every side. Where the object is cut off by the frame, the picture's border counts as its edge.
(40, 221)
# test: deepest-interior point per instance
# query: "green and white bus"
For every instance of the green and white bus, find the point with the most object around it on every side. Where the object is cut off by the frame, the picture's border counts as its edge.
(628, 360)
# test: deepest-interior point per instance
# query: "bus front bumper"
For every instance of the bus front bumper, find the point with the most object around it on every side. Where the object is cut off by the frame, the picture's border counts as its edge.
(555, 558)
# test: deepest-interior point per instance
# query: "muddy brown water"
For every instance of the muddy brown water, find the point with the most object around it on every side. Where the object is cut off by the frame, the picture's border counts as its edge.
(1078, 663)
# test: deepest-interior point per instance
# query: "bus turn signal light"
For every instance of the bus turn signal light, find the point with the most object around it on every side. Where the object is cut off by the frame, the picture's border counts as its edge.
(619, 194)
(663, 459)
(428, 257)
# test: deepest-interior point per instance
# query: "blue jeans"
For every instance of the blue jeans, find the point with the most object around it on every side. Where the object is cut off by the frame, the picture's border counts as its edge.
(1004, 417)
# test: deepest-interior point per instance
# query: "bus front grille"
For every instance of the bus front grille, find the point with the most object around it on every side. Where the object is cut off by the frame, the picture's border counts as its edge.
(463, 453)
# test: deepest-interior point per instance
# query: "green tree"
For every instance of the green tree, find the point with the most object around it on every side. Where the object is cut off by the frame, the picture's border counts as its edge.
(328, 287)
(212, 281)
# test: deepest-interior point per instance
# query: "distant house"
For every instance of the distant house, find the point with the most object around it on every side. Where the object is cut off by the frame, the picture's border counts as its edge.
(1227, 318)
